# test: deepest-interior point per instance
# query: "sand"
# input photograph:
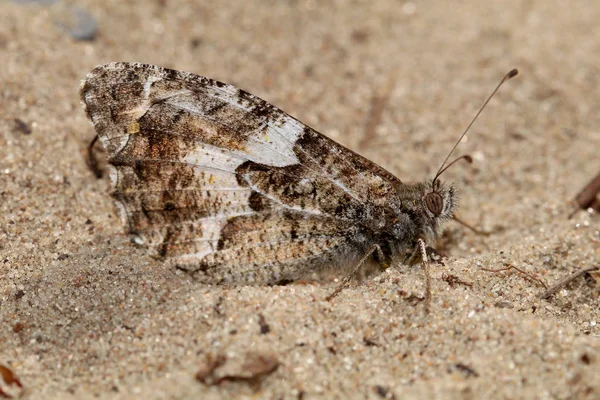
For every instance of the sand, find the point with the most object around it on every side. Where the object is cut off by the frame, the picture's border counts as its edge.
(86, 314)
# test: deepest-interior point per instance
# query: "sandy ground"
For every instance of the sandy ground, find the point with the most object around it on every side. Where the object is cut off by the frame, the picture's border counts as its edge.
(87, 314)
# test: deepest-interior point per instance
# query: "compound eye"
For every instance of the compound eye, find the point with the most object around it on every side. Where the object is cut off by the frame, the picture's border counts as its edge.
(434, 203)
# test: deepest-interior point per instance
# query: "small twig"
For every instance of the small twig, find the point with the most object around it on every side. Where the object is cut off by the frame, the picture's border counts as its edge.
(467, 370)
(588, 196)
(378, 103)
(22, 126)
(469, 226)
(453, 280)
(565, 281)
(509, 267)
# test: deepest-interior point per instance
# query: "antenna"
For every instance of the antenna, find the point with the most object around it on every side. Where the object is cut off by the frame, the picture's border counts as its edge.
(511, 74)
(465, 157)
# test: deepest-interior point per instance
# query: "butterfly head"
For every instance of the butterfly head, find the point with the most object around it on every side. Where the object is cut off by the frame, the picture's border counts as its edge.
(438, 200)
(428, 205)
(424, 207)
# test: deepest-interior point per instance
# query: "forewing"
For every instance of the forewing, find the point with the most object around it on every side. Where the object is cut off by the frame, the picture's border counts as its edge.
(189, 155)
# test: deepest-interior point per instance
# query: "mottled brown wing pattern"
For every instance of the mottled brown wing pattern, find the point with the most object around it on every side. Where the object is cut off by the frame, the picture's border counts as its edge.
(224, 183)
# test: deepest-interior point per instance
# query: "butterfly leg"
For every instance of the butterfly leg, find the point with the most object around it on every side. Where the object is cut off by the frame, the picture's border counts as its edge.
(92, 161)
(425, 265)
(349, 276)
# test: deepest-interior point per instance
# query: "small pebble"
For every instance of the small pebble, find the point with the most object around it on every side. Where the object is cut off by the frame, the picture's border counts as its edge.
(80, 24)
(22, 126)
(503, 304)
(77, 22)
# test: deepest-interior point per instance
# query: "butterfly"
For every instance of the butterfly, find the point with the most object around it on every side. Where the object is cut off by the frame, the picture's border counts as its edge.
(235, 191)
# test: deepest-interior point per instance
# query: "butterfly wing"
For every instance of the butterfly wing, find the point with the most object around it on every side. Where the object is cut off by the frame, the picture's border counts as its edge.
(224, 183)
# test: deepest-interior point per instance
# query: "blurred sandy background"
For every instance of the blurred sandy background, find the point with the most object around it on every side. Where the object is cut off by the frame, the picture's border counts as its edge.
(85, 314)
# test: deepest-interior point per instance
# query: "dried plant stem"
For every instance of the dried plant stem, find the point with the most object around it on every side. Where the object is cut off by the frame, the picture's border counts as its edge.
(510, 266)
(565, 281)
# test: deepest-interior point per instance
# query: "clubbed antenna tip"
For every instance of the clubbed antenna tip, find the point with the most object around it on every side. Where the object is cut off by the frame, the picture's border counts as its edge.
(511, 74)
